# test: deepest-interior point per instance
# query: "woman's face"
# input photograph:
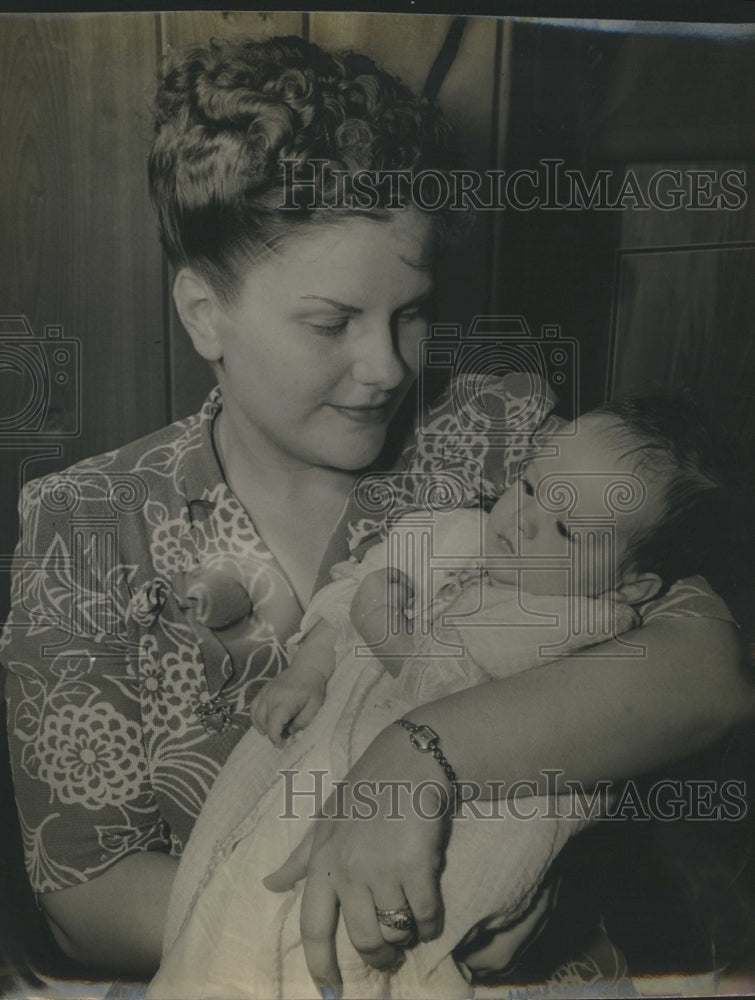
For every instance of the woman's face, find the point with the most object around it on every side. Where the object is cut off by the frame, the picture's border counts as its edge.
(321, 343)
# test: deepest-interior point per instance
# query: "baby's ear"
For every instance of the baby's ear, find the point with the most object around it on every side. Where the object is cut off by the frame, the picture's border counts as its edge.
(636, 588)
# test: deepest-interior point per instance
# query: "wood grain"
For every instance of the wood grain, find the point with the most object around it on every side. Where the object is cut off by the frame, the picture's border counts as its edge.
(182, 28)
(684, 302)
(78, 246)
(403, 44)
(474, 95)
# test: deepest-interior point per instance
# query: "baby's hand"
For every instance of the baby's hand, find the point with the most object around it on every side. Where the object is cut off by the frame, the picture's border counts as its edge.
(378, 613)
(380, 603)
(288, 702)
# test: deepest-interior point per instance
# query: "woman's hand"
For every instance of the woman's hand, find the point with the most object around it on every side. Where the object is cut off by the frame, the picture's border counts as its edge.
(378, 851)
(592, 717)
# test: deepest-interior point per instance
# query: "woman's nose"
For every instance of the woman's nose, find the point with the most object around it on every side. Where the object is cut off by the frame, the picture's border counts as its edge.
(377, 361)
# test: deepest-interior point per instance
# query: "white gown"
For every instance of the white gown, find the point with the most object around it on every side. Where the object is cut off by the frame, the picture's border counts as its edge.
(227, 936)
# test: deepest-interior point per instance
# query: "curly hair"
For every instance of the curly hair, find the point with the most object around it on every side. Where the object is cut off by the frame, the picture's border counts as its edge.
(226, 115)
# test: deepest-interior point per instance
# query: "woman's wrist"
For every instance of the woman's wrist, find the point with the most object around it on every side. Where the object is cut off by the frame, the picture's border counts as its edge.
(392, 760)
(424, 739)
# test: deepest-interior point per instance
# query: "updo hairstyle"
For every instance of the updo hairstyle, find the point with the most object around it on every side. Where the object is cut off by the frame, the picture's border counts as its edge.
(228, 113)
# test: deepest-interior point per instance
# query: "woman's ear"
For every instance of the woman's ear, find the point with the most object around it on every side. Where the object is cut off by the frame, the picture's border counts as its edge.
(636, 588)
(197, 306)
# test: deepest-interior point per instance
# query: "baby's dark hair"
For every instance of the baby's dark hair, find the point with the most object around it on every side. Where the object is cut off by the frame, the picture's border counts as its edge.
(228, 113)
(704, 528)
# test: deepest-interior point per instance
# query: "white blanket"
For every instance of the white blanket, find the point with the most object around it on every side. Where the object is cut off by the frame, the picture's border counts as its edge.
(227, 936)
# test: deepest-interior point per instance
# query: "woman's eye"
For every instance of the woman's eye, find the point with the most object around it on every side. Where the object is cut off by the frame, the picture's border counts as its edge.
(564, 531)
(410, 316)
(329, 329)
(416, 313)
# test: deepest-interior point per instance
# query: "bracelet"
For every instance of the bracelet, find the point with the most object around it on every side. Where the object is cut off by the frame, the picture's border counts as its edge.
(426, 740)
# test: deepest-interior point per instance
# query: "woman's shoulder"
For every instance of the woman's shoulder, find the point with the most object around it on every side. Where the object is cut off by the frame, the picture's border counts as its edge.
(131, 468)
(692, 597)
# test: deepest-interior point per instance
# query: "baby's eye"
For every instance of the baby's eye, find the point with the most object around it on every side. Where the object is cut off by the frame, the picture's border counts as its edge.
(527, 487)
(564, 531)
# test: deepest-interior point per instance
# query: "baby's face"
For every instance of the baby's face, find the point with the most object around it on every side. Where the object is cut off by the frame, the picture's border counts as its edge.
(556, 515)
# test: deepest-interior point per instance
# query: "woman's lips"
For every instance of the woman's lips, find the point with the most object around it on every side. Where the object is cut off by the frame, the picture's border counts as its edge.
(365, 414)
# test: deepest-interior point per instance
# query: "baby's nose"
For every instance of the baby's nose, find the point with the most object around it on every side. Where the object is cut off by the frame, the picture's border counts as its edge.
(527, 522)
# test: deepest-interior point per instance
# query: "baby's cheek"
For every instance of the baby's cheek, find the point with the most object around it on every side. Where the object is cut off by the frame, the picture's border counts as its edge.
(549, 581)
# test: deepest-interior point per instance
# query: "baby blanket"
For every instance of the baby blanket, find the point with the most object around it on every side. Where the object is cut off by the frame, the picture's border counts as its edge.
(227, 936)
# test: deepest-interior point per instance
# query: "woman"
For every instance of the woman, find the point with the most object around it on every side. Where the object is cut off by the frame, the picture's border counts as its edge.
(123, 706)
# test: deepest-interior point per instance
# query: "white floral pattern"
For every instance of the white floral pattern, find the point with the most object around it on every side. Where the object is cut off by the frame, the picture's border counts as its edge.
(110, 688)
(91, 755)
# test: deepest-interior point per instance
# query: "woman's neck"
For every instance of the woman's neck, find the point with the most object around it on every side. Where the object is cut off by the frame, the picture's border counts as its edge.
(248, 460)
(294, 506)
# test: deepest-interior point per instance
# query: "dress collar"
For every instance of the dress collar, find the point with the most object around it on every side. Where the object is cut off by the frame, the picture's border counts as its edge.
(202, 473)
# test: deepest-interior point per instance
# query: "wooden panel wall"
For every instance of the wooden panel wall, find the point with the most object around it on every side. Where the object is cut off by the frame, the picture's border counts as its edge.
(684, 303)
(77, 242)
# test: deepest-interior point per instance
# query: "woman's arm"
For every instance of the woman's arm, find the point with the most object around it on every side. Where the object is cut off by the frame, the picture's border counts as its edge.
(603, 715)
(77, 744)
(115, 921)
(593, 717)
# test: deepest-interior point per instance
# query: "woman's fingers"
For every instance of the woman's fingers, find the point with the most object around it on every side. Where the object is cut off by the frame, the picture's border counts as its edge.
(422, 891)
(319, 921)
(391, 908)
(294, 868)
(360, 918)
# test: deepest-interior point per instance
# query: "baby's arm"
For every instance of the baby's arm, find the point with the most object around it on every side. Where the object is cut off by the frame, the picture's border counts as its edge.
(290, 701)
(379, 614)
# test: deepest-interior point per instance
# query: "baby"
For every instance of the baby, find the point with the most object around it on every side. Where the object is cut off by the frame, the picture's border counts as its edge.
(585, 519)
(595, 526)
